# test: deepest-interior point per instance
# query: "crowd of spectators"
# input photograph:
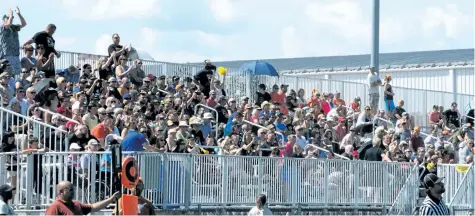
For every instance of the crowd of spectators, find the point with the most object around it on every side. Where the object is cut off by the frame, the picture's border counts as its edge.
(157, 114)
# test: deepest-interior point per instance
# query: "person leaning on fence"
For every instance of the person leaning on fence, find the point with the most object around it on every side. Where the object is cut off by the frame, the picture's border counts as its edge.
(433, 203)
(260, 208)
(65, 205)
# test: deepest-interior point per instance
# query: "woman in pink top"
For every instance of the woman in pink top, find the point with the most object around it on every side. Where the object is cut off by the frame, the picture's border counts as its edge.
(325, 105)
(434, 116)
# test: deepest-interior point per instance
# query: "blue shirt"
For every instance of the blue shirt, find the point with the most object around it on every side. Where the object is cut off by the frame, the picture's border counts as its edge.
(106, 159)
(133, 141)
(205, 129)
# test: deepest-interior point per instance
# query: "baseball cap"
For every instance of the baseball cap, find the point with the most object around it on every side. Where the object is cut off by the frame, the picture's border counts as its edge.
(6, 188)
(431, 179)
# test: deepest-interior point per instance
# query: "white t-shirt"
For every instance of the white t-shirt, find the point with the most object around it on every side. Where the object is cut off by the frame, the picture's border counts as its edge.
(5, 209)
(259, 212)
(372, 78)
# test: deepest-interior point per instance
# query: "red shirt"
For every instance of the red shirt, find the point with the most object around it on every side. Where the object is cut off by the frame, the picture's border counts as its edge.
(59, 207)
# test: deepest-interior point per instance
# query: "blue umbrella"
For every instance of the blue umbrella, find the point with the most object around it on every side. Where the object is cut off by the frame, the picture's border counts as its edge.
(259, 68)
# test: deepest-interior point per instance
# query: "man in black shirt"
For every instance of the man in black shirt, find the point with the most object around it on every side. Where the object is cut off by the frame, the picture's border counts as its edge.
(397, 112)
(262, 95)
(470, 117)
(452, 116)
(202, 78)
(117, 48)
(45, 38)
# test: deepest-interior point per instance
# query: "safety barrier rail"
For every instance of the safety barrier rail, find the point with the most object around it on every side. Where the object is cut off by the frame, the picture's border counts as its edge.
(464, 197)
(376, 119)
(190, 180)
(454, 174)
(262, 127)
(406, 200)
(51, 137)
(216, 125)
(52, 114)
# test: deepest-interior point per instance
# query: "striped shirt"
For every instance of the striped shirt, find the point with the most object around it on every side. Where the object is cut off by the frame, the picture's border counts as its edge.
(432, 207)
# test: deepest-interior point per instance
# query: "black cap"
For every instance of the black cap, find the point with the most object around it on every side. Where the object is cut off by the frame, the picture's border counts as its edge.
(262, 86)
(6, 188)
(162, 77)
(284, 86)
(431, 179)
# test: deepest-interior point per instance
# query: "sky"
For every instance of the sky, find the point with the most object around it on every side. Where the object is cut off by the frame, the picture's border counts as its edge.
(220, 30)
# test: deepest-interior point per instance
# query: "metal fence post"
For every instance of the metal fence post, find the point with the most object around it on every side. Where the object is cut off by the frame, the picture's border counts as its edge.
(165, 185)
(385, 186)
(225, 180)
(92, 178)
(30, 166)
(188, 180)
(356, 183)
(293, 181)
(326, 172)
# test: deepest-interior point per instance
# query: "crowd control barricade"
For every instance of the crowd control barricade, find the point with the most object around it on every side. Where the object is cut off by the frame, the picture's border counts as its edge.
(192, 180)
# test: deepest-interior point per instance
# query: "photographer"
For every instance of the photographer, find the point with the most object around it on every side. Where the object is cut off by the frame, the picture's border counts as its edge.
(202, 79)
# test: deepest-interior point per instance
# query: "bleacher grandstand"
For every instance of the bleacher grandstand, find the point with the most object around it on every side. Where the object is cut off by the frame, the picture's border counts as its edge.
(209, 139)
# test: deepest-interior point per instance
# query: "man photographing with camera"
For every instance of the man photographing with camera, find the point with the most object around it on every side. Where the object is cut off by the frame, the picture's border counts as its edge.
(202, 79)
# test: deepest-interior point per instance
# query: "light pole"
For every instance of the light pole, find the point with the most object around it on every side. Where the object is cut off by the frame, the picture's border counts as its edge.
(375, 37)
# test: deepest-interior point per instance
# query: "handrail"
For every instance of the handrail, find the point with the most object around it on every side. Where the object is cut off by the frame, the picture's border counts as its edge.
(32, 120)
(163, 91)
(212, 109)
(381, 119)
(260, 126)
(391, 210)
(428, 135)
(53, 113)
(283, 142)
(460, 192)
(336, 155)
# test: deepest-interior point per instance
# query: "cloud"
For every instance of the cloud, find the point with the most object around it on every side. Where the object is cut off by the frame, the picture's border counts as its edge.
(448, 18)
(102, 43)
(182, 57)
(64, 43)
(290, 43)
(343, 16)
(111, 9)
(222, 10)
(149, 37)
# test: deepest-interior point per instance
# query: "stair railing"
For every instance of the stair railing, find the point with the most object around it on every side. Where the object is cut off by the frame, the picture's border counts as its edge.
(463, 200)
(406, 199)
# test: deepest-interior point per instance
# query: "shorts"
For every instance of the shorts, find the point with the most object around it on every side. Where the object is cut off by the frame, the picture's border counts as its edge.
(374, 100)
(14, 61)
(389, 105)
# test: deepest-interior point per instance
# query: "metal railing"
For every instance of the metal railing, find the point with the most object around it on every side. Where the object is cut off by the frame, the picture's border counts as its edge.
(49, 136)
(216, 125)
(191, 180)
(464, 197)
(383, 120)
(262, 127)
(406, 199)
(454, 174)
(52, 113)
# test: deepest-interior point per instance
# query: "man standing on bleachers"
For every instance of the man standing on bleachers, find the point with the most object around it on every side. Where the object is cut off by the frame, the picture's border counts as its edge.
(373, 92)
(9, 40)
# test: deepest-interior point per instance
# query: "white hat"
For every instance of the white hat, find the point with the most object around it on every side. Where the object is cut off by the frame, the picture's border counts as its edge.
(208, 116)
(111, 79)
(93, 142)
(74, 146)
(183, 124)
(195, 121)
